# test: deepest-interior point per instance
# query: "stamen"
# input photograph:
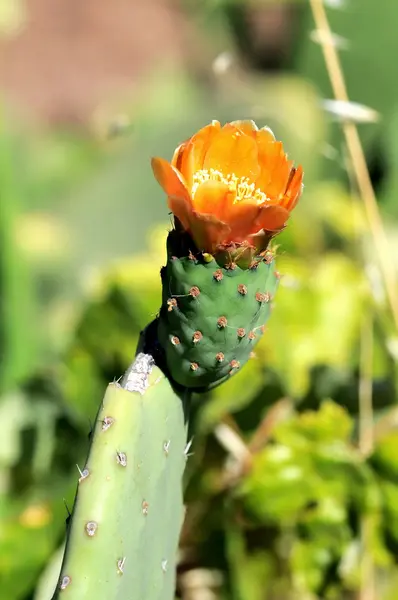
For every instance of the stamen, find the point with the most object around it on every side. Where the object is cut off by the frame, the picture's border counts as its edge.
(242, 187)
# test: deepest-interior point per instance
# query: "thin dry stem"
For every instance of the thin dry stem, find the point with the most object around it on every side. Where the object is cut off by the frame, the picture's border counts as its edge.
(356, 152)
(365, 391)
(360, 172)
(366, 442)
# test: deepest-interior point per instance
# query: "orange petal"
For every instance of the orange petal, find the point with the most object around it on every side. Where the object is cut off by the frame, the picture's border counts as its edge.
(265, 134)
(242, 217)
(294, 189)
(177, 156)
(233, 152)
(272, 217)
(279, 178)
(194, 151)
(181, 210)
(268, 150)
(208, 232)
(212, 198)
(271, 158)
(248, 127)
(170, 179)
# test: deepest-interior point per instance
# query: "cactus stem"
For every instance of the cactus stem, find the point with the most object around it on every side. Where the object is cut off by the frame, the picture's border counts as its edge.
(111, 521)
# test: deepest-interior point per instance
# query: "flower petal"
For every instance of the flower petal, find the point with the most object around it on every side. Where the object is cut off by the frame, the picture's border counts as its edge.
(208, 232)
(177, 156)
(279, 178)
(242, 217)
(193, 151)
(212, 198)
(294, 189)
(274, 168)
(246, 126)
(265, 134)
(272, 217)
(170, 179)
(181, 210)
(233, 152)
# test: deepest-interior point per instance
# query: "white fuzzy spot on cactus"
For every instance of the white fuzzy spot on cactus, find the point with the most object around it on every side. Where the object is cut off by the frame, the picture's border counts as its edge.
(121, 458)
(91, 528)
(83, 474)
(166, 447)
(164, 565)
(145, 507)
(65, 581)
(107, 423)
(120, 565)
(136, 377)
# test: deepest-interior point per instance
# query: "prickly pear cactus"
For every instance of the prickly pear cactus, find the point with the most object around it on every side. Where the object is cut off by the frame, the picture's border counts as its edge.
(123, 538)
(231, 190)
(212, 316)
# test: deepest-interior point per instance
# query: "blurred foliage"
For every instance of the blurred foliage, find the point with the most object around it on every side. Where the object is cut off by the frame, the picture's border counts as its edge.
(283, 503)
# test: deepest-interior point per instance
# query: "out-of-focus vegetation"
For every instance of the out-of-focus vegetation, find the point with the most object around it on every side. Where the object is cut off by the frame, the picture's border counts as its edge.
(292, 486)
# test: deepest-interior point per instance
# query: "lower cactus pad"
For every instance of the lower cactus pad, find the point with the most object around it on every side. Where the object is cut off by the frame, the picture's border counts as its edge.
(123, 537)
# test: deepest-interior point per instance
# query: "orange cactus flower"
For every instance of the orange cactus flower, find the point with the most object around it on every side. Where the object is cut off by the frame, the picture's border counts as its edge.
(230, 186)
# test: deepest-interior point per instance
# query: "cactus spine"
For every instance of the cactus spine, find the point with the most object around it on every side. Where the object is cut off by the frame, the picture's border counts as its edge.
(123, 538)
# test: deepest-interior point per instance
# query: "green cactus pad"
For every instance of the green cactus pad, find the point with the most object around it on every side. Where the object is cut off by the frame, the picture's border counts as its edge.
(212, 316)
(123, 538)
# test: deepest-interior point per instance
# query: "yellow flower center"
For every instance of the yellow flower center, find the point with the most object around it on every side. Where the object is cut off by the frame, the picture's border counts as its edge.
(244, 190)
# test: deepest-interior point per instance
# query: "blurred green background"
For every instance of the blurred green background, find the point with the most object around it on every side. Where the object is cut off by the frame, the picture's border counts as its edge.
(291, 488)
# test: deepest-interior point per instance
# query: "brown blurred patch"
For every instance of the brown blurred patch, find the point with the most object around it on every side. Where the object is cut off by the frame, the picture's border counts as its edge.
(72, 55)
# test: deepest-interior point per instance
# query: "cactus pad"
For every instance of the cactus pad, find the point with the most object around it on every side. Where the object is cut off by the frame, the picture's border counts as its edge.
(212, 316)
(123, 538)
